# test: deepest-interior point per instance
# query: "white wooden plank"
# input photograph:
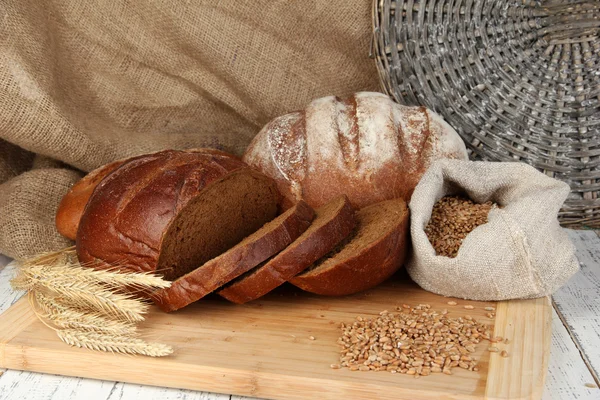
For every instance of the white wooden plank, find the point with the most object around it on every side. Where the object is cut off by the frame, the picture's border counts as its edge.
(7, 295)
(567, 373)
(4, 260)
(578, 302)
(126, 391)
(31, 386)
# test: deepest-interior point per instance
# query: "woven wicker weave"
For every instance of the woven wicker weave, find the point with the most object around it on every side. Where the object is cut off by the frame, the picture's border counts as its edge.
(519, 81)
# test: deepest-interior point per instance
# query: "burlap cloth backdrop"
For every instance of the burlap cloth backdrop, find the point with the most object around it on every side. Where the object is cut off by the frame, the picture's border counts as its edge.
(86, 82)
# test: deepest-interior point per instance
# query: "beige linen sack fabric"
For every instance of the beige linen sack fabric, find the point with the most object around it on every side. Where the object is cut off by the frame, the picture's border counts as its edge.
(521, 252)
(83, 83)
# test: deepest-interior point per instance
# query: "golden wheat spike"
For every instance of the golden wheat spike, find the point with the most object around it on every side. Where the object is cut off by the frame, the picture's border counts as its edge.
(63, 266)
(87, 307)
(113, 343)
(70, 318)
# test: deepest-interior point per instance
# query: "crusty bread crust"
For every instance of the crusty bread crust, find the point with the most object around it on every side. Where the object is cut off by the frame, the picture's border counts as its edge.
(73, 203)
(334, 221)
(127, 215)
(346, 272)
(365, 146)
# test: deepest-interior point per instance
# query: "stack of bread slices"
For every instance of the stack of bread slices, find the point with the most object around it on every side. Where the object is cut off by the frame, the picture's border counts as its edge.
(210, 223)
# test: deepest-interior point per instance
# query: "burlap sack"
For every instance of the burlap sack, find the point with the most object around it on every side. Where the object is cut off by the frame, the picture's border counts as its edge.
(85, 83)
(521, 252)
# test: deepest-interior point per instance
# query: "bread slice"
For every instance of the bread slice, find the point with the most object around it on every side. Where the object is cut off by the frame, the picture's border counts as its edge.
(334, 221)
(254, 249)
(371, 254)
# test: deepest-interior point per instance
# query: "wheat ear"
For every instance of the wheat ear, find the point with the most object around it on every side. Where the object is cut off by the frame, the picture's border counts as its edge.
(113, 343)
(86, 307)
(95, 297)
(74, 274)
(70, 318)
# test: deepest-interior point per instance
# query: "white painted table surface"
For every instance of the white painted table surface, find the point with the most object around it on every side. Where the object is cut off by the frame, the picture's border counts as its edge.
(574, 358)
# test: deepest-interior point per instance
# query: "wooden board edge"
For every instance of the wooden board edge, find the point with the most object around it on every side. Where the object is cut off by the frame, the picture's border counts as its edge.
(212, 379)
(527, 324)
(14, 320)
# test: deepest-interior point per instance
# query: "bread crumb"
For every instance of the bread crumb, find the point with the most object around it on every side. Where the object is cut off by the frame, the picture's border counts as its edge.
(311, 337)
(589, 385)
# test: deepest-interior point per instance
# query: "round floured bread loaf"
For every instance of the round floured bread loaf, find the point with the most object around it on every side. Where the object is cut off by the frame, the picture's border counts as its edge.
(170, 212)
(365, 146)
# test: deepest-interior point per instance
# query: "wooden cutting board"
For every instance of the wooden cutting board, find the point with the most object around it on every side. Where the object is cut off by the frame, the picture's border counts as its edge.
(263, 349)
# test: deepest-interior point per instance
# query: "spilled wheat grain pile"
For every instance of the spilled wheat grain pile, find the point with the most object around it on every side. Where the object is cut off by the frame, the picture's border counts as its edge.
(452, 219)
(415, 341)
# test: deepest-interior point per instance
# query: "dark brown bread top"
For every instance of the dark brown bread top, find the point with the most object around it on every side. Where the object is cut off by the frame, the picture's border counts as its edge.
(334, 221)
(73, 203)
(129, 212)
(375, 250)
(250, 252)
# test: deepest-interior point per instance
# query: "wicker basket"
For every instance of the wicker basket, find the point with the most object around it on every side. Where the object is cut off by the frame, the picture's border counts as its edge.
(519, 81)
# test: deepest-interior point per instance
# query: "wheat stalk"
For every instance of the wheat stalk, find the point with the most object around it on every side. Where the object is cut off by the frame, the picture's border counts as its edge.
(87, 308)
(71, 318)
(97, 298)
(113, 343)
(61, 268)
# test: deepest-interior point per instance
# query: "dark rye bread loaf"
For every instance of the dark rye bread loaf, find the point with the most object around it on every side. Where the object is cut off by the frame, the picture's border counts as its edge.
(334, 221)
(250, 252)
(371, 254)
(73, 203)
(171, 211)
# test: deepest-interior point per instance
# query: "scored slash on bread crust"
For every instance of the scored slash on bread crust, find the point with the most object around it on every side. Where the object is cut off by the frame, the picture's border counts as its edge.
(250, 252)
(372, 253)
(73, 203)
(334, 221)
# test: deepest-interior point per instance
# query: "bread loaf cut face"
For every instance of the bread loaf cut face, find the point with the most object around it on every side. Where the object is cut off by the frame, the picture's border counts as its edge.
(368, 256)
(170, 212)
(333, 222)
(365, 146)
